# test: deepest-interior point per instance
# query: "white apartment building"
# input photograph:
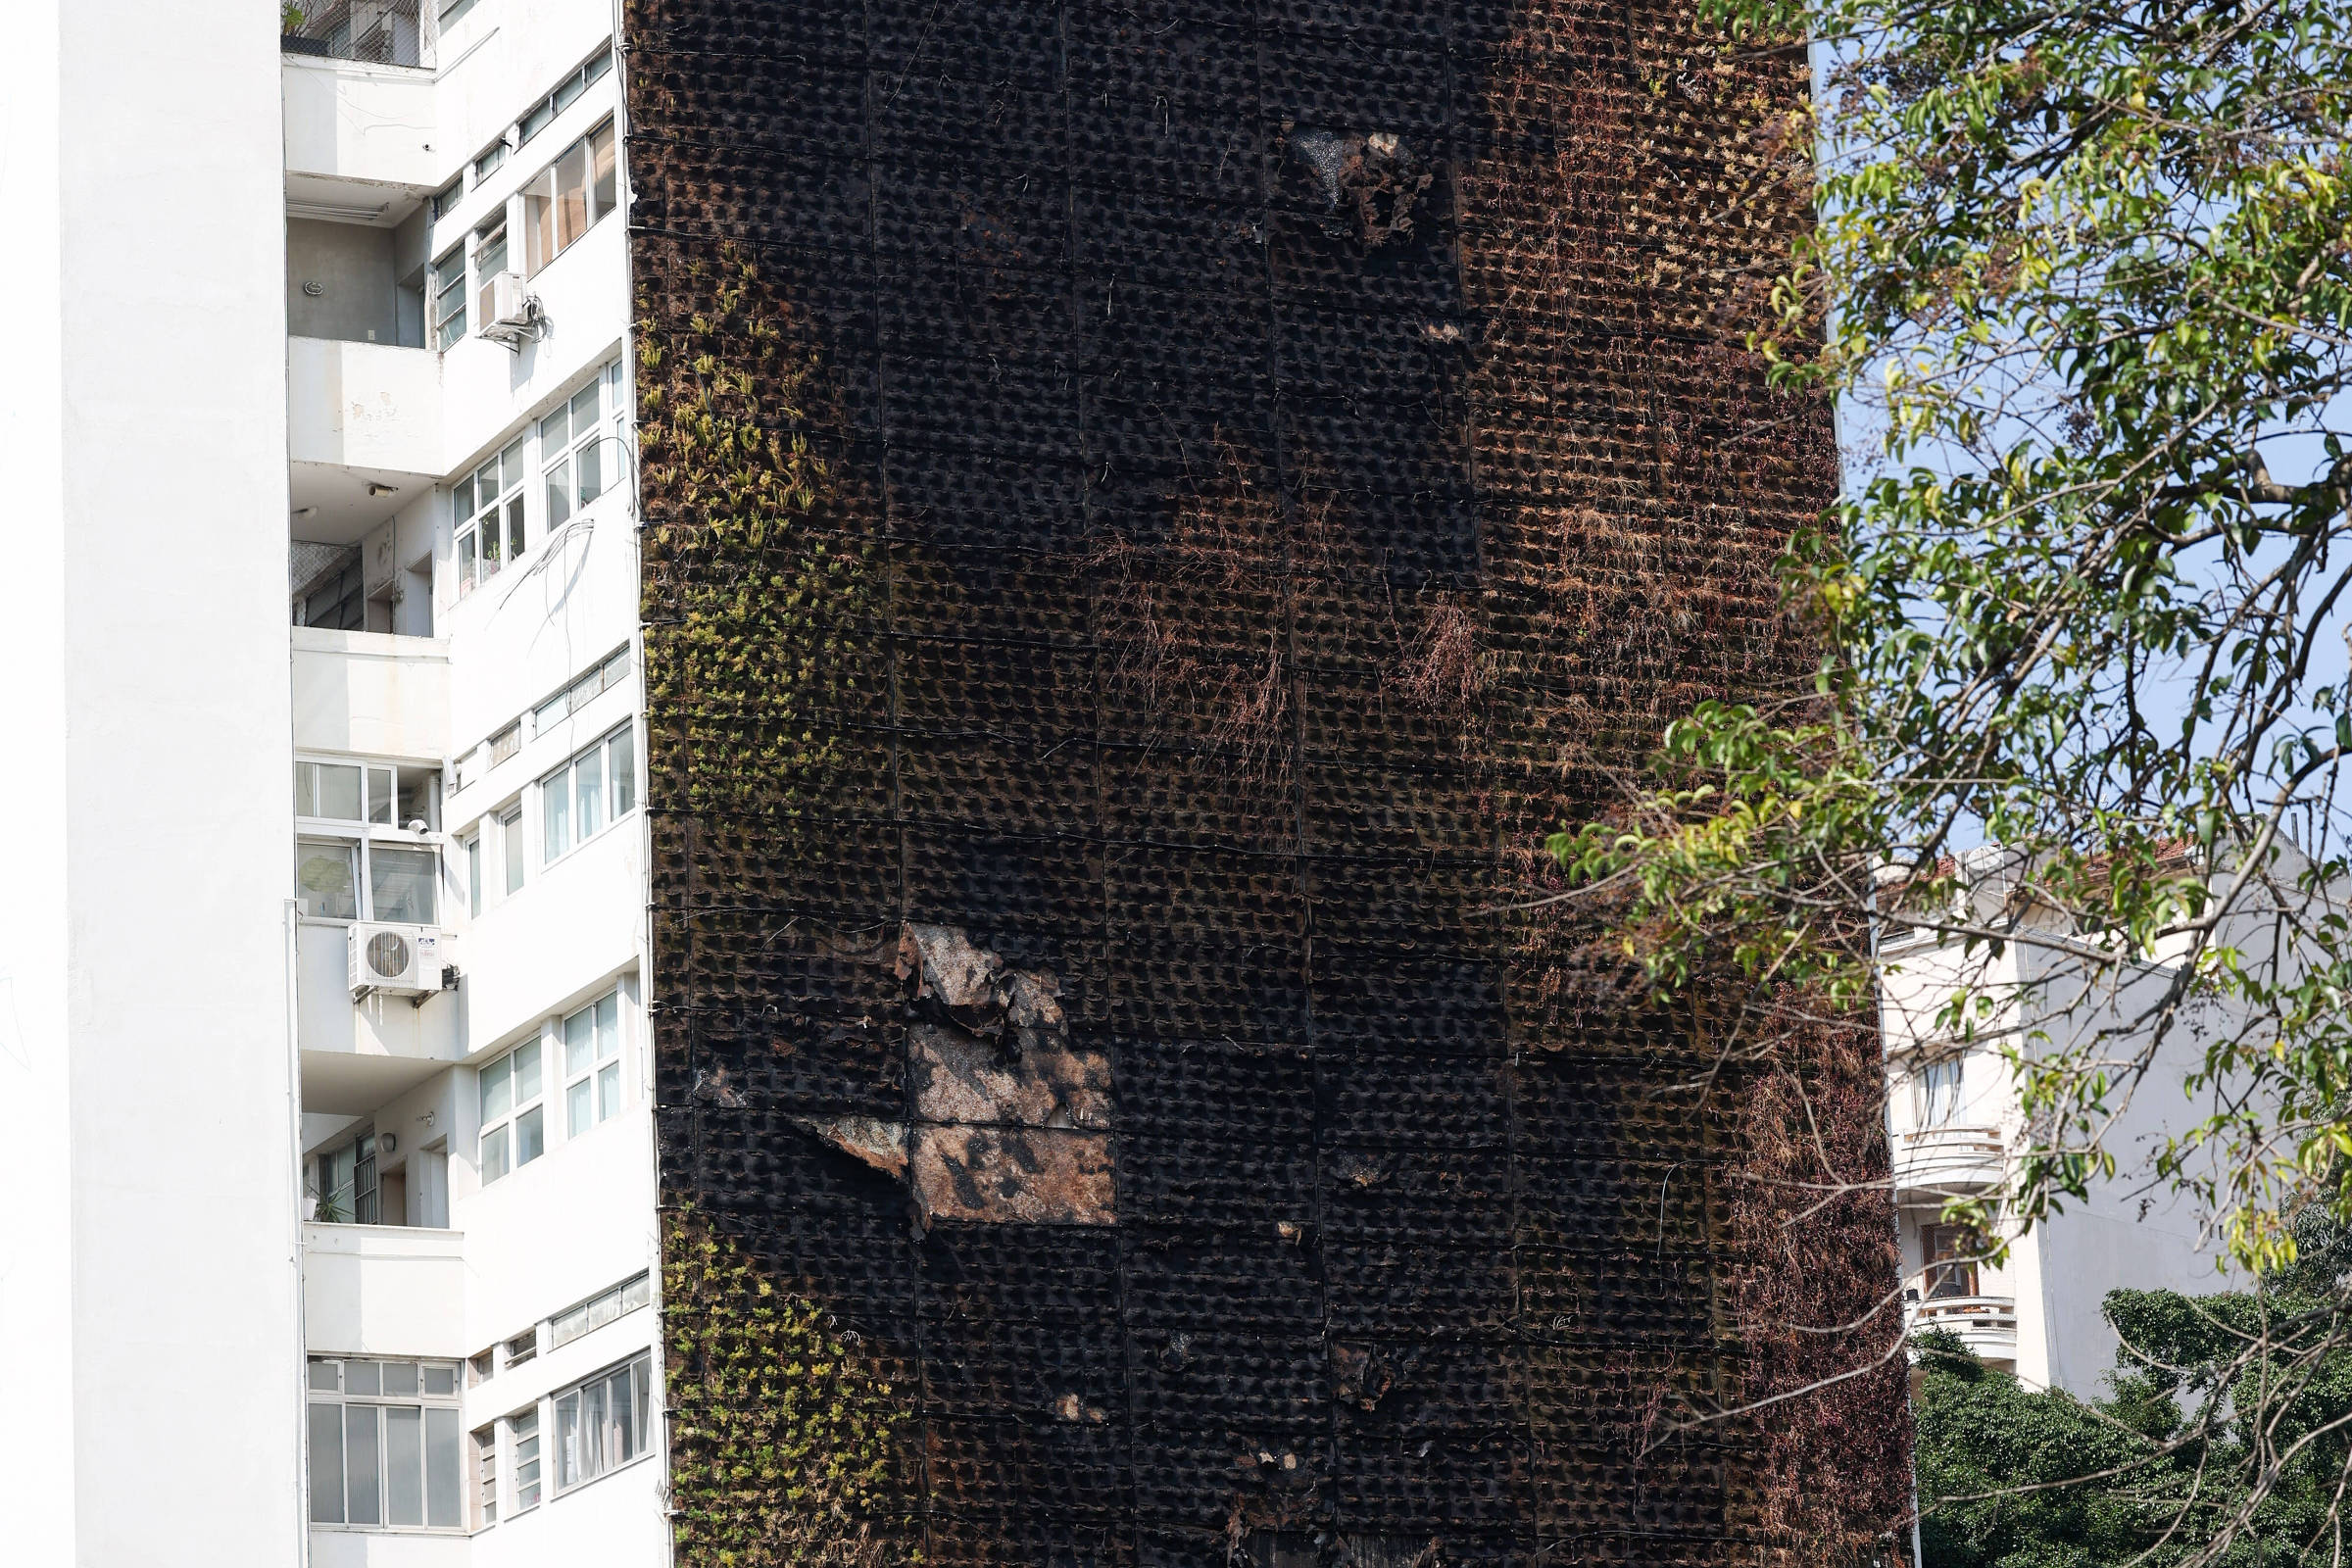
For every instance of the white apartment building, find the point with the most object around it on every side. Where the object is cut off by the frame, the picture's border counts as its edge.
(379, 1120)
(1956, 1124)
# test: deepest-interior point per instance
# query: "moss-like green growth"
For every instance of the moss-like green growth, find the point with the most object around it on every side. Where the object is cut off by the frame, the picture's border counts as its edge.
(783, 1443)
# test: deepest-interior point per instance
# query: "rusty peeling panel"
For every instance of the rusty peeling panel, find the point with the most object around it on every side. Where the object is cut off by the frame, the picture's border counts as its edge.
(879, 1144)
(1029, 1175)
(961, 1079)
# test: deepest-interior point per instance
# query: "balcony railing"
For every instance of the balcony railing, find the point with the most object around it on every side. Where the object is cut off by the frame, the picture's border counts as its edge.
(1985, 1324)
(382, 33)
(1949, 1158)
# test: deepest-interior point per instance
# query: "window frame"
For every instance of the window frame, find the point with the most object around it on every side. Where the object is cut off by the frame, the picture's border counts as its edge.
(599, 1082)
(546, 192)
(375, 831)
(449, 281)
(616, 794)
(508, 1124)
(343, 1399)
(571, 462)
(503, 519)
(571, 1473)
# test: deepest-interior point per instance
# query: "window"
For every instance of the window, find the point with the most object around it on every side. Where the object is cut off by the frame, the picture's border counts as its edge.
(505, 743)
(449, 298)
(1951, 1253)
(523, 1347)
(572, 453)
(335, 598)
(1935, 1092)
(510, 839)
(446, 199)
(361, 845)
(543, 113)
(385, 1444)
(584, 796)
(452, 12)
(600, 1424)
(599, 1310)
(489, 517)
(346, 1191)
(491, 156)
(474, 875)
(523, 1431)
(489, 260)
(571, 699)
(513, 1123)
(485, 1476)
(591, 1067)
(567, 197)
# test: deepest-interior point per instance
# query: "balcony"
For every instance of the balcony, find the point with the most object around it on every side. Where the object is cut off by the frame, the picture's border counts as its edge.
(362, 433)
(384, 1290)
(358, 139)
(1932, 1163)
(1985, 1324)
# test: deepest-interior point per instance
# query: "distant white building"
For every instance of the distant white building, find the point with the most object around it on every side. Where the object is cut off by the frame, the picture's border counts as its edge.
(1955, 1123)
(380, 1288)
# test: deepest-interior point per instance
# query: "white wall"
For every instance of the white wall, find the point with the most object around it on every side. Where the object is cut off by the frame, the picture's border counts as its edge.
(137, 1252)
(370, 693)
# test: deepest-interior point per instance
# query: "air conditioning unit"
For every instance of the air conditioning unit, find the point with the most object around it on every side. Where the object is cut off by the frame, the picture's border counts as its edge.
(401, 961)
(513, 314)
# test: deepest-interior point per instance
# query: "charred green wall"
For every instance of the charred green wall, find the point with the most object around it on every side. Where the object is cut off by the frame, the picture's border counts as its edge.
(1151, 512)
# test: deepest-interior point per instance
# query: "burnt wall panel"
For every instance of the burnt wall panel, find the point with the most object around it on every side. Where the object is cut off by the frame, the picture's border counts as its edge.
(1152, 509)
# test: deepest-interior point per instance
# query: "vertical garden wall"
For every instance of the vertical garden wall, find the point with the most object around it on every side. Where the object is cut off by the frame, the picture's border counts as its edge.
(1152, 509)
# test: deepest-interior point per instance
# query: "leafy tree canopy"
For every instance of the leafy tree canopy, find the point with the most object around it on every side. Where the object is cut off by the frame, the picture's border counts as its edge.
(2083, 285)
(2223, 1441)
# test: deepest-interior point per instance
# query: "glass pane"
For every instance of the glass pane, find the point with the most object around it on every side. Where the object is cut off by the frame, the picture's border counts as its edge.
(596, 1422)
(623, 749)
(463, 496)
(492, 556)
(505, 743)
(608, 1025)
(400, 1378)
(494, 1153)
(539, 222)
(572, 195)
(568, 1440)
(592, 472)
(465, 563)
(579, 1041)
(511, 839)
(403, 1465)
(326, 1464)
(491, 256)
(328, 873)
(604, 1309)
(362, 1377)
(441, 1380)
(361, 1485)
(306, 789)
(588, 796)
(555, 828)
(608, 1090)
(326, 1376)
(441, 1478)
(336, 791)
(498, 1088)
(473, 874)
(569, 1327)
(486, 488)
(551, 711)
(530, 1136)
(603, 194)
(584, 410)
(596, 67)
(555, 431)
(514, 542)
(636, 1293)
(628, 1429)
(526, 1073)
(401, 884)
(559, 493)
(576, 1110)
(379, 795)
(616, 669)
(510, 461)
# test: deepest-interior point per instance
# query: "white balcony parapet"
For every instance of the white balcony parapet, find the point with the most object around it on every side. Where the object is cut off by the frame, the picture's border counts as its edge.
(370, 693)
(1948, 1159)
(384, 1290)
(1985, 1324)
(366, 406)
(358, 138)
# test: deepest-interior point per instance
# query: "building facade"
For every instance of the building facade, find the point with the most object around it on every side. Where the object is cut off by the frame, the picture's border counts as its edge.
(865, 891)
(1957, 1125)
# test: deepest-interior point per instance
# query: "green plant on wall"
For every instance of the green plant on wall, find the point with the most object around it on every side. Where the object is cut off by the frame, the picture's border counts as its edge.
(756, 570)
(782, 1446)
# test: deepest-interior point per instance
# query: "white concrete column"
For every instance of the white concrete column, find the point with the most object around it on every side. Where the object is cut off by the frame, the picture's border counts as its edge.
(148, 1287)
